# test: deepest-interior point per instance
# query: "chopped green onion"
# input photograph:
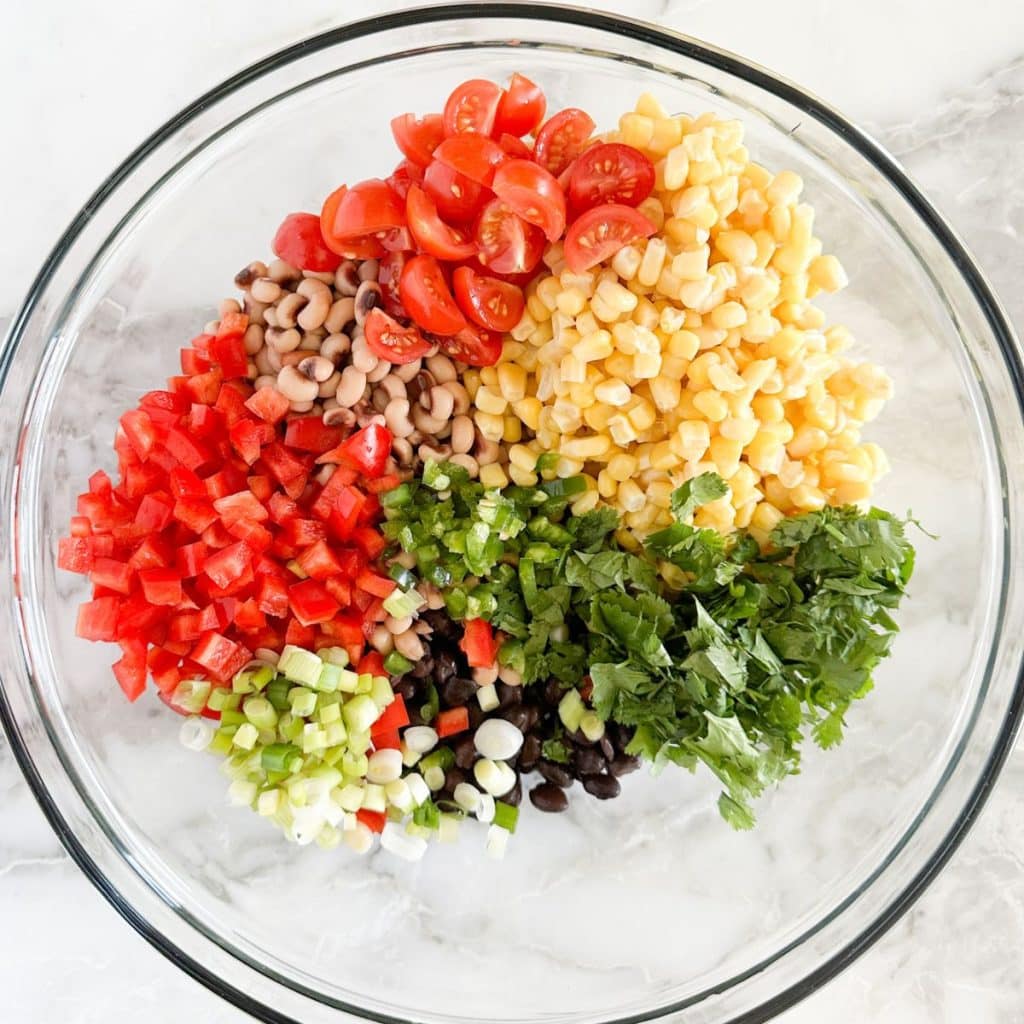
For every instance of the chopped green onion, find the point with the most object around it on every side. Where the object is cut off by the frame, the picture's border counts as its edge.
(280, 757)
(262, 676)
(402, 576)
(303, 701)
(547, 462)
(566, 487)
(335, 655)
(221, 742)
(221, 699)
(260, 712)
(231, 717)
(360, 713)
(432, 706)
(277, 694)
(397, 497)
(191, 695)
(299, 665)
(330, 678)
(381, 691)
(506, 815)
(441, 757)
(401, 604)
(242, 682)
(571, 710)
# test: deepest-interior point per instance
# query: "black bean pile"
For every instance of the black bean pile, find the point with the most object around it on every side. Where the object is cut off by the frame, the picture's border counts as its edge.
(531, 709)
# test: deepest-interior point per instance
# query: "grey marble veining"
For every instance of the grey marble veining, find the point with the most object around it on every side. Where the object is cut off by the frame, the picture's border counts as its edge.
(956, 956)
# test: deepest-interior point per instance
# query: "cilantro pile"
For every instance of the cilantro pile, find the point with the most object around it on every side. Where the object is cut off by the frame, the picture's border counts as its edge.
(714, 651)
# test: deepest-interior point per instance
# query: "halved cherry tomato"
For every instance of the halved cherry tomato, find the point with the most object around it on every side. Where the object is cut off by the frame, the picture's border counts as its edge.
(534, 194)
(349, 248)
(472, 107)
(300, 242)
(496, 305)
(389, 273)
(417, 139)
(473, 345)
(457, 197)
(405, 174)
(521, 108)
(426, 298)
(515, 147)
(562, 138)
(602, 232)
(507, 243)
(610, 173)
(368, 208)
(388, 339)
(431, 233)
(475, 156)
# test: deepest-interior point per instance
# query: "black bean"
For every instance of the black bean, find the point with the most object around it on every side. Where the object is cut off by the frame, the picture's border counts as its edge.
(515, 795)
(465, 752)
(532, 718)
(508, 695)
(405, 688)
(555, 773)
(588, 761)
(624, 764)
(620, 735)
(518, 716)
(423, 667)
(444, 667)
(604, 787)
(530, 753)
(547, 797)
(455, 692)
(453, 777)
(578, 739)
(442, 625)
(476, 715)
(553, 692)
(415, 718)
(606, 748)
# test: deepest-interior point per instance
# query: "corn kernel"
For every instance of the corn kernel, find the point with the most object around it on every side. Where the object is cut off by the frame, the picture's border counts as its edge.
(513, 430)
(528, 410)
(622, 467)
(597, 416)
(571, 302)
(492, 425)
(512, 382)
(489, 401)
(630, 497)
(522, 457)
(622, 430)
(652, 262)
(493, 475)
(586, 447)
(642, 415)
(665, 393)
(712, 405)
(585, 503)
(614, 392)
(606, 484)
(636, 130)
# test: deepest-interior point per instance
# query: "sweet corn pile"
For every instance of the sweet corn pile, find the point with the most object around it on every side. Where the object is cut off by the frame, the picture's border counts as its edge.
(697, 350)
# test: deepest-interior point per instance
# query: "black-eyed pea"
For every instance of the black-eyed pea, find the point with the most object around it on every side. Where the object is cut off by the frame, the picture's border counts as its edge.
(252, 340)
(336, 416)
(296, 386)
(292, 358)
(463, 435)
(254, 310)
(283, 272)
(362, 358)
(460, 396)
(406, 372)
(426, 422)
(341, 314)
(263, 363)
(382, 639)
(484, 451)
(346, 278)
(397, 626)
(467, 462)
(367, 297)
(312, 341)
(434, 453)
(245, 277)
(392, 385)
(410, 645)
(288, 309)
(379, 399)
(228, 306)
(402, 450)
(265, 290)
(320, 299)
(379, 372)
(351, 387)
(368, 270)
(274, 359)
(335, 346)
(316, 368)
(251, 370)
(303, 407)
(324, 276)
(396, 417)
(282, 340)
(265, 380)
(440, 402)
(441, 368)
(270, 316)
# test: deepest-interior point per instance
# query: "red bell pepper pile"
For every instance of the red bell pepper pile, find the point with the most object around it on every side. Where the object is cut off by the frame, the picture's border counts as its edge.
(217, 539)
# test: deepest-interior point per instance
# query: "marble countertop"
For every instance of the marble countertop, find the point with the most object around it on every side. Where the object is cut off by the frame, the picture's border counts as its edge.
(941, 83)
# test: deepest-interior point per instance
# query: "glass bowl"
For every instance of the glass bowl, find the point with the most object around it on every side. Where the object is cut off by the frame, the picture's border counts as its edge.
(648, 907)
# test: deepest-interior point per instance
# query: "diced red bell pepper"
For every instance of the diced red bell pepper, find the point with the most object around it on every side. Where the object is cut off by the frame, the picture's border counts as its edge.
(103, 511)
(227, 480)
(215, 536)
(282, 508)
(137, 615)
(164, 668)
(205, 421)
(155, 511)
(261, 486)
(139, 430)
(112, 574)
(203, 387)
(80, 526)
(74, 554)
(97, 619)
(161, 585)
(268, 404)
(310, 434)
(184, 483)
(185, 626)
(301, 533)
(187, 450)
(298, 634)
(228, 351)
(340, 589)
(387, 741)
(373, 663)
(374, 583)
(231, 401)
(201, 342)
(258, 537)
(209, 619)
(241, 505)
(452, 721)
(102, 545)
(195, 513)
(151, 553)
(190, 559)
(99, 483)
(130, 669)
(388, 482)
(282, 465)
(247, 439)
(221, 657)
(141, 480)
(479, 643)
(229, 564)
(311, 603)
(371, 542)
(231, 325)
(367, 450)
(373, 820)
(248, 616)
(318, 561)
(193, 362)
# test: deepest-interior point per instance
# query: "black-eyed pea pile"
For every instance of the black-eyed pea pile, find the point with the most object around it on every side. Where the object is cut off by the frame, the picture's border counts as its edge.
(305, 339)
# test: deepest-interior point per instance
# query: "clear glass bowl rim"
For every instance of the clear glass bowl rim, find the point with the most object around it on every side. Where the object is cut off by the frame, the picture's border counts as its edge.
(693, 49)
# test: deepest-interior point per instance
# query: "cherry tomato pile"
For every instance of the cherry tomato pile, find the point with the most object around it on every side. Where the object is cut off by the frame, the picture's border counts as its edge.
(218, 538)
(461, 223)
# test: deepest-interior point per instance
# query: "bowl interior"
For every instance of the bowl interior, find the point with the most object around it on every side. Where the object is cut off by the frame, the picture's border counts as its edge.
(613, 909)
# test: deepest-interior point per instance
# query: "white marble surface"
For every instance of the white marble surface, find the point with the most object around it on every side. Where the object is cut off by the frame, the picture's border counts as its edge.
(941, 83)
